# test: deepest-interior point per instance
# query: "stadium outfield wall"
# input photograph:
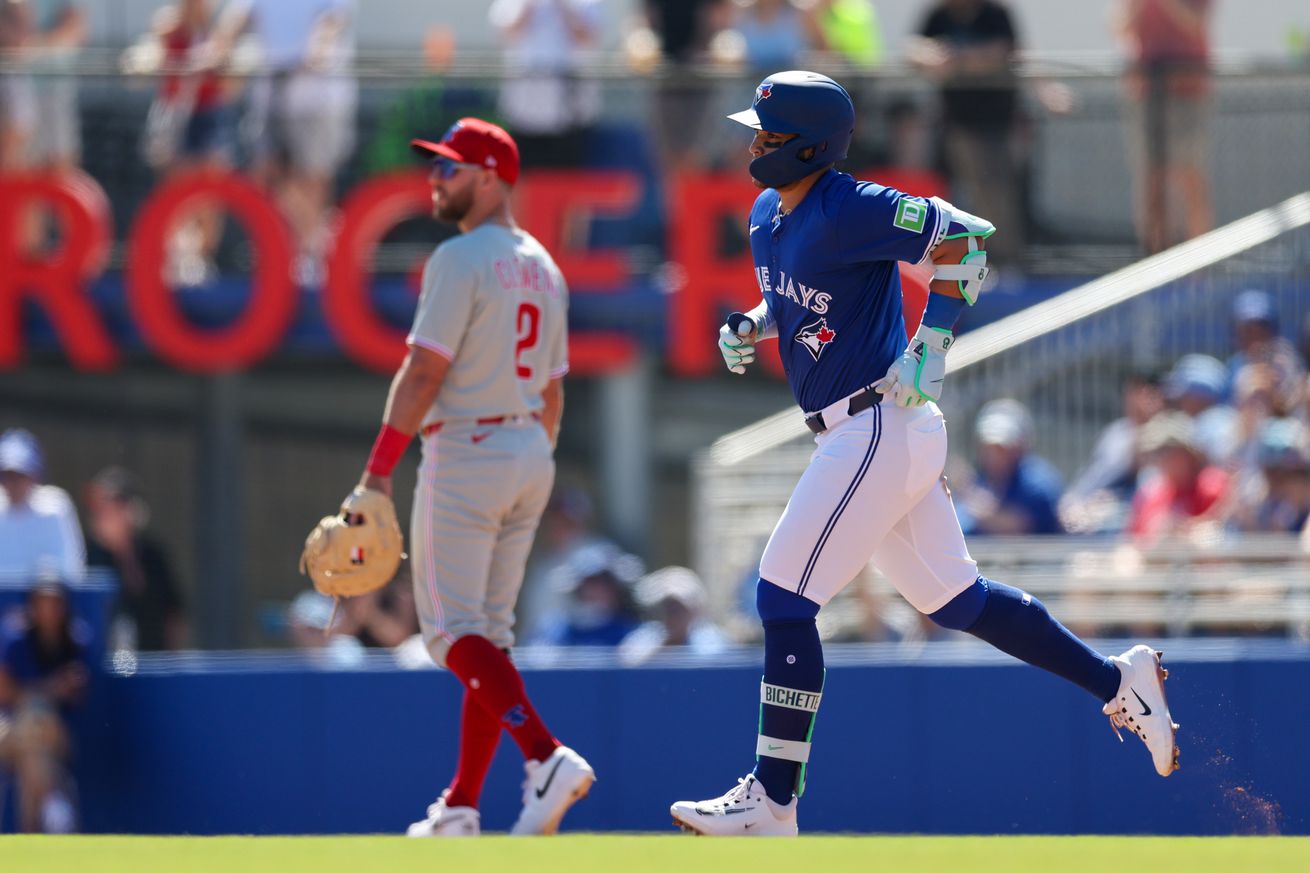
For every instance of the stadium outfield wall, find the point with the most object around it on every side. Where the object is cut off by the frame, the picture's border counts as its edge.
(952, 739)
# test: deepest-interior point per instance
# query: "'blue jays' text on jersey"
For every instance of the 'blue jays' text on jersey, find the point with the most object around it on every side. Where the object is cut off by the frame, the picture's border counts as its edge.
(828, 273)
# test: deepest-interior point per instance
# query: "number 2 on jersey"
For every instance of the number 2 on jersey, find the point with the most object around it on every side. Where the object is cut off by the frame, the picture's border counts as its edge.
(529, 328)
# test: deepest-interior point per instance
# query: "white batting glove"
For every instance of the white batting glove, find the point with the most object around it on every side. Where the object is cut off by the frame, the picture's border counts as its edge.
(918, 373)
(737, 342)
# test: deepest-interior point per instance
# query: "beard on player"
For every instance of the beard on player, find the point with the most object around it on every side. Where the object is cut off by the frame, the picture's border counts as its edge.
(451, 206)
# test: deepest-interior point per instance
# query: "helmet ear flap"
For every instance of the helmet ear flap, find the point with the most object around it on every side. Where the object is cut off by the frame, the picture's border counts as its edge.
(795, 160)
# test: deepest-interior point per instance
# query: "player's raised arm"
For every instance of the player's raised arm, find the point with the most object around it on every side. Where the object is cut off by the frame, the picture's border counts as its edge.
(959, 270)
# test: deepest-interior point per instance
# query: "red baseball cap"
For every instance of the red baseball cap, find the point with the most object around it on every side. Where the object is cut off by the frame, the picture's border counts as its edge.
(474, 141)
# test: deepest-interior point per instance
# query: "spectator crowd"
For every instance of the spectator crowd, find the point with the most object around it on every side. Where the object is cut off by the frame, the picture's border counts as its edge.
(1206, 446)
(49, 650)
(270, 86)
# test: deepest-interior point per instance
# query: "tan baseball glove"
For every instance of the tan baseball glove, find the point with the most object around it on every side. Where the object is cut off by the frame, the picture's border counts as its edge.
(356, 551)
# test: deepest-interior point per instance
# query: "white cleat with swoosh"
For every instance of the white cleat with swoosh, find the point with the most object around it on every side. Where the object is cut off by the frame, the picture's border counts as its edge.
(550, 787)
(1141, 707)
(745, 811)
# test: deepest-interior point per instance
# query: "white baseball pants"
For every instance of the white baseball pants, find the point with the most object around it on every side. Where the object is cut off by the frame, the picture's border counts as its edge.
(874, 491)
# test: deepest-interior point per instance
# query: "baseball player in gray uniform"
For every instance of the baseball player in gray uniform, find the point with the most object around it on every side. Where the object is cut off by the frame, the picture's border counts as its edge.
(482, 385)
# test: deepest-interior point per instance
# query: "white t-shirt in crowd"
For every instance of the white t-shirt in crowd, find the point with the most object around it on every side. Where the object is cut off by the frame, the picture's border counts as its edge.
(41, 535)
(540, 94)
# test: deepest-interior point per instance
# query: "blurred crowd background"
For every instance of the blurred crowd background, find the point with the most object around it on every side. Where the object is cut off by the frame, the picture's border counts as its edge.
(148, 508)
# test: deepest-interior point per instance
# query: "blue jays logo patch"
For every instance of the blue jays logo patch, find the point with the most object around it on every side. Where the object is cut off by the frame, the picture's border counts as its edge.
(763, 92)
(816, 336)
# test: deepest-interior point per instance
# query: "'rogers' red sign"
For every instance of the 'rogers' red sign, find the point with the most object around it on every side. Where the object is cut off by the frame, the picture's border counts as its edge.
(548, 203)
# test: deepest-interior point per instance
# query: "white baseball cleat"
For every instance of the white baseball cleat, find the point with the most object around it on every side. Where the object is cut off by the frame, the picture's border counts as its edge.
(550, 787)
(447, 821)
(1141, 706)
(745, 811)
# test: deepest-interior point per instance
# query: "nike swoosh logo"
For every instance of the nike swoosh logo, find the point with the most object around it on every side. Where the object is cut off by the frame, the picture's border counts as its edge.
(1146, 710)
(541, 792)
(733, 811)
(774, 748)
(754, 227)
(748, 825)
(479, 437)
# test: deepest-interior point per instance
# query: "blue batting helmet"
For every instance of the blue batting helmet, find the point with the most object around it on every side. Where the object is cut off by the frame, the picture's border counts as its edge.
(810, 105)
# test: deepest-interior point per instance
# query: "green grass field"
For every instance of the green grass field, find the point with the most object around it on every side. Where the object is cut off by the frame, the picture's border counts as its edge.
(637, 854)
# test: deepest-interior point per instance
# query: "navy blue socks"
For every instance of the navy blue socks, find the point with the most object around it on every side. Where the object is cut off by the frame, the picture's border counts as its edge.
(1018, 624)
(790, 690)
(1009, 619)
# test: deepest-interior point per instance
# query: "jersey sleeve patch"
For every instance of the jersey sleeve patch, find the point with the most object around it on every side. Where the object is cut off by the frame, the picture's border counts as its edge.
(876, 223)
(911, 214)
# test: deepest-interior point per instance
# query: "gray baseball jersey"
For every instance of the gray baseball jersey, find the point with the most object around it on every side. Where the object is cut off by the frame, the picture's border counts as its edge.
(495, 305)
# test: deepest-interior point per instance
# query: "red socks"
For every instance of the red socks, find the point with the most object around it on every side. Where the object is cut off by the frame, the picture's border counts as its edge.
(479, 734)
(493, 682)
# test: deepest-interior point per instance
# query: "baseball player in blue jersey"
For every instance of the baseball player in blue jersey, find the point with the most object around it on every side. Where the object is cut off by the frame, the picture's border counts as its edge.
(826, 248)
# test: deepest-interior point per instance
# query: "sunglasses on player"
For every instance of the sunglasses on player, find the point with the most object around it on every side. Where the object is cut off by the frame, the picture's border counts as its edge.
(446, 168)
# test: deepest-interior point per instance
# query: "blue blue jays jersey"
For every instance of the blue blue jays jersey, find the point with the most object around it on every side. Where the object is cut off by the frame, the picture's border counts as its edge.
(828, 272)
